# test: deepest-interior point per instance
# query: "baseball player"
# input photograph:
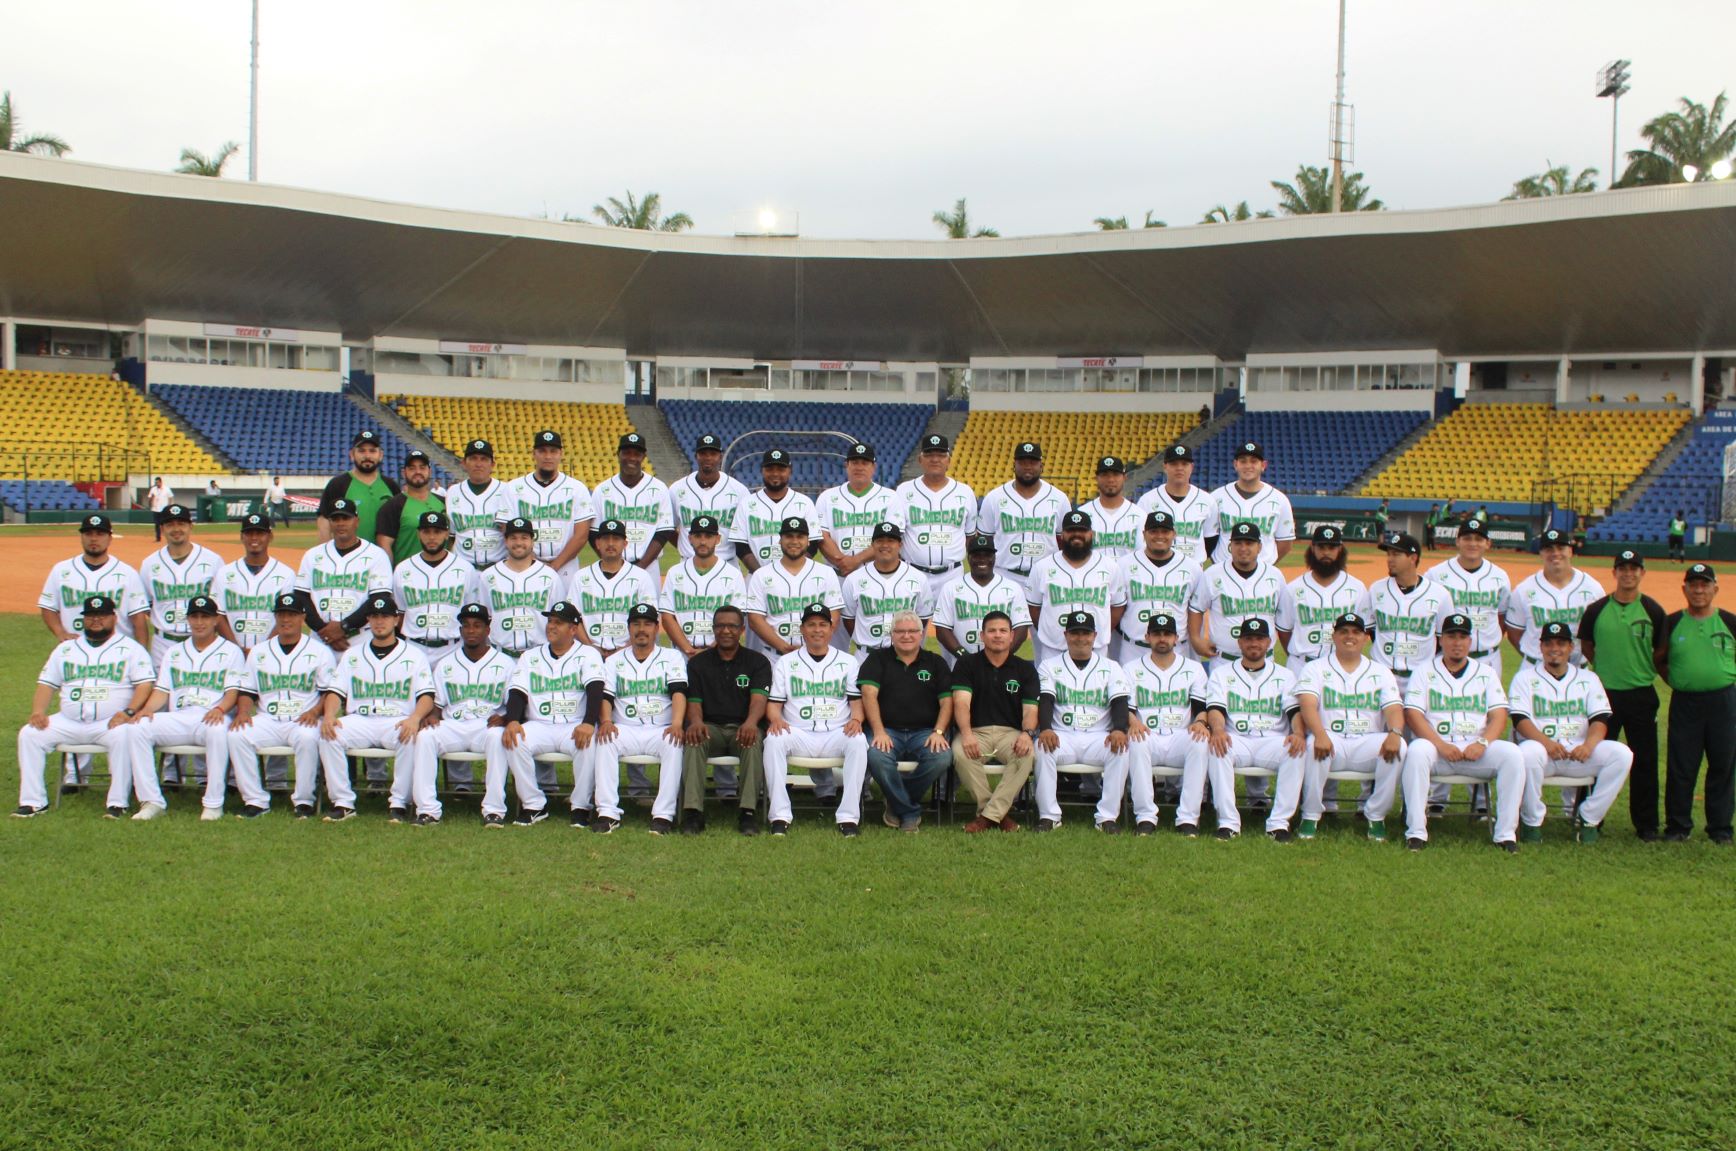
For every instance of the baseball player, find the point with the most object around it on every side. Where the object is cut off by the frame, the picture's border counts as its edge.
(554, 702)
(847, 514)
(967, 599)
(1322, 594)
(1249, 499)
(1480, 589)
(198, 681)
(1233, 591)
(1074, 579)
(395, 528)
(557, 505)
(1116, 519)
(696, 587)
(337, 578)
(1158, 580)
(174, 574)
(518, 591)
(1559, 593)
(607, 590)
(1252, 718)
(470, 685)
(1193, 511)
(1168, 693)
(760, 518)
(941, 513)
(1082, 717)
(1354, 716)
(1408, 609)
(1022, 514)
(363, 487)
(103, 680)
(1562, 714)
(646, 687)
(777, 592)
(93, 572)
(476, 507)
(280, 704)
(1456, 711)
(815, 709)
(882, 588)
(637, 501)
(706, 491)
(381, 692)
(430, 587)
(247, 590)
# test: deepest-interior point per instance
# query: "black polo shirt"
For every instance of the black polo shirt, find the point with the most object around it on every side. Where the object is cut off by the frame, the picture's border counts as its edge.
(723, 688)
(910, 693)
(998, 695)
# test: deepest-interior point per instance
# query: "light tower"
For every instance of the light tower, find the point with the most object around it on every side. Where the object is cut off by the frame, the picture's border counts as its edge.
(1612, 82)
(1343, 126)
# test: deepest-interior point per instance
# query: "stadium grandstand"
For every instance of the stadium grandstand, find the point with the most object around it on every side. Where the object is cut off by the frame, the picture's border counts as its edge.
(89, 412)
(1690, 484)
(589, 432)
(1072, 443)
(270, 431)
(815, 434)
(1307, 452)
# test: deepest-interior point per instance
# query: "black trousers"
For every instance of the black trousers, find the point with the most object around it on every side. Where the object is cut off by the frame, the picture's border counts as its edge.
(1702, 724)
(1634, 720)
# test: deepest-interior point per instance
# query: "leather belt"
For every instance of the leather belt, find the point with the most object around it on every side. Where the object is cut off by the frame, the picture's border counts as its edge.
(933, 571)
(430, 642)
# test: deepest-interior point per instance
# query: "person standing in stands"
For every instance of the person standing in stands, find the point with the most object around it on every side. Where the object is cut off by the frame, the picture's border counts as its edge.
(1679, 535)
(1696, 655)
(1617, 634)
(364, 486)
(395, 527)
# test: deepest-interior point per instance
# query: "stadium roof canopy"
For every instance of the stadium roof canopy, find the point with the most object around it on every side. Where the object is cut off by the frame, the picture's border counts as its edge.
(1648, 269)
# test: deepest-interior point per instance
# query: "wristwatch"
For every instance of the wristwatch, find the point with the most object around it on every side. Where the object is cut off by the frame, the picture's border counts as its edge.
(129, 712)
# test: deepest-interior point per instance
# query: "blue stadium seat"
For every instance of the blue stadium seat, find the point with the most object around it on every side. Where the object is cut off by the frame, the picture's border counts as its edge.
(1691, 484)
(266, 430)
(1308, 452)
(893, 429)
(45, 496)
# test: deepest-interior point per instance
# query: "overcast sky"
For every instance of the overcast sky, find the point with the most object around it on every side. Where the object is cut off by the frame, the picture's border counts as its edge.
(864, 117)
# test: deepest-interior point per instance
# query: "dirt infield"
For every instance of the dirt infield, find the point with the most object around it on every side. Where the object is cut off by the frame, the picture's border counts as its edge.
(30, 552)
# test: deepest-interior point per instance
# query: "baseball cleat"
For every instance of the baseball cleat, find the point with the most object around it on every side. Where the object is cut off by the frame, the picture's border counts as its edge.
(528, 818)
(747, 823)
(1587, 833)
(114, 813)
(582, 817)
(304, 811)
(1508, 846)
(1414, 844)
(427, 819)
(149, 811)
(494, 819)
(1529, 834)
(780, 827)
(1279, 835)
(1144, 827)
(849, 830)
(1109, 827)
(25, 811)
(1187, 830)
(340, 814)
(1048, 824)
(210, 814)
(1377, 830)
(603, 825)
(661, 826)
(397, 815)
(251, 811)
(1307, 829)
(1226, 834)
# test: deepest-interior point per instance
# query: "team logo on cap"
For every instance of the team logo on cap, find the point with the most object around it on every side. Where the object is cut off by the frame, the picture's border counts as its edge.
(1161, 622)
(381, 604)
(479, 447)
(548, 438)
(794, 525)
(705, 525)
(255, 522)
(518, 525)
(1250, 446)
(709, 443)
(1027, 447)
(1076, 521)
(287, 602)
(98, 605)
(94, 524)
(201, 605)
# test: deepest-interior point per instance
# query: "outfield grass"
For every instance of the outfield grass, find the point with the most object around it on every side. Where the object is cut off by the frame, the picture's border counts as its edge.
(298, 984)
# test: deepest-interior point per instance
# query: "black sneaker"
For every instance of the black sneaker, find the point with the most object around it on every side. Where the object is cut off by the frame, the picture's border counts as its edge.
(427, 819)
(1436, 809)
(528, 818)
(304, 811)
(1508, 846)
(603, 825)
(251, 811)
(582, 816)
(1648, 836)
(494, 819)
(692, 822)
(1225, 834)
(1279, 835)
(1187, 830)
(340, 814)
(397, 815)
(661, 826)
(780, 827)
(1677, 836)
(1109, 827)
(66, 789)
(1259, 802)
(747, 823)
(113, 813)
(849, 830)
(1145, 827)
(25, 811)
(1048, 824)
(1414, 844)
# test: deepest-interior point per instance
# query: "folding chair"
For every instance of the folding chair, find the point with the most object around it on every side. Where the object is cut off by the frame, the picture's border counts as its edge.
(82, 775)
(1583, 783)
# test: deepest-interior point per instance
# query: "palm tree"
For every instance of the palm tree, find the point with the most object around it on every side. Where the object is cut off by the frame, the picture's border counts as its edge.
(196, 163)
(10, 141)
(1119, 223)
(956, 223)
(1553, 181)
(1694, 135)
(1311, 194)
(1223, 215)
(644, 215)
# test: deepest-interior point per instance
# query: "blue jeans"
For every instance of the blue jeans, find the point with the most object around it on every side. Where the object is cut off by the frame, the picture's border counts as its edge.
(904, 792)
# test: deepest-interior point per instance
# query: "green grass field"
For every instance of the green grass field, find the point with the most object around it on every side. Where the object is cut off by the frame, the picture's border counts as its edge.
(180, 984)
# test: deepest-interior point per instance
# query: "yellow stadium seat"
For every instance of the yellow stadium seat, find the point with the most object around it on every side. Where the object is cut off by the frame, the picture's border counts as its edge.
(1072, 443)
(590, 432)
(76, 426)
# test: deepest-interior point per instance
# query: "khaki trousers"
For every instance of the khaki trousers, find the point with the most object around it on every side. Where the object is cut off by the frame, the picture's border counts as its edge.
(997, 743)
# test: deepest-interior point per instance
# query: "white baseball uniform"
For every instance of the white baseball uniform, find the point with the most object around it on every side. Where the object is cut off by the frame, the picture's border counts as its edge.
(1405, 624)
(1195, 515)
(778, 595)
(693, 596)
(1457, 706)
(94, 683)
(378, 693)
(475, 518)
(430, 595)
(1082, 696)
(1165, 701)
(1228, 598)
(963, 602)
(339, 581)
(939, 522)
(1057, 586)
(1024, 529)
(1258, 706)
(1482, 595)
(516, 601)
(849, 517)
(815, 695)
(286, 684)
(169, 583)
(1352, 704)
(195, 682)
(553, 509)
(1564, 709)
(872, 597)
(248, 598)
(721, 501)
(1535, 601)
(469, 692)
(759, 522)
(1117, 532)
(1154, 588)
(1317, 607)
(1268, 507)
(71, 581)
(641, 694)
(643, 508)
(554, 688)
(604, 600)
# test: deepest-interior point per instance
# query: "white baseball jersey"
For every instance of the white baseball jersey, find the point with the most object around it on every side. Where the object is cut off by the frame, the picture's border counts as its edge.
(1405, 623)
(170, 583)
(721, 501)
(963, 602)
(288, 683)
(70, 581)
(1535, 601)
(554, 684)
(552, 509)
(1117, 532)
(339, 581)
(1227, 598)
(516, 600)
(1317, 606)
(1351, 702)
(197, 679)
(759, 522)
(816, 693)
(96, 682)
(1480, 594)
(778, 594)
(872, 597)
(1195, 515)
(1254, 703)
(849, 518)
(475, 518)
(691, 596)
(248, 598)
(1456, 706)
(430, 595)
(1268, 507)
(604, 600)
(1157, 589)
(640, 689)
(1562, 708)
(1164, 697)
(1024, 529)
(644, 509)
(473, 689)
(938, 523)
(386, 686)
(1082, 694)
(1058, 587)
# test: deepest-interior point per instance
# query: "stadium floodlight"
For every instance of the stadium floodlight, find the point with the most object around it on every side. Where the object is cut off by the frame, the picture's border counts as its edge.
(768, 220)
(1690, 173)
(1612, 84)
(1722, 169)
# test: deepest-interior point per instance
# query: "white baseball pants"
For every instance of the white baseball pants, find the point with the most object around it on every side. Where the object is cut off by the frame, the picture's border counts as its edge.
(412, 763)
(539, 738)
(185, 726)
(1142, 756)
(1351, 753)
(639, 739)
(1246, 751)
(34, 746)
(1609, 763)
(1501, 762)
(816, 745)
(1080, 747)
(273, 731)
